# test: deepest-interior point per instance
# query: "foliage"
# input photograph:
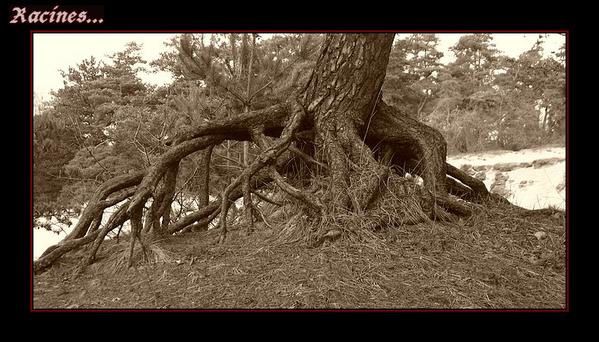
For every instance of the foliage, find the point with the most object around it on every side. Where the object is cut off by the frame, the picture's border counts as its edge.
(482, 100)
(106, 122)
(53, 143)
(412, 73)
(91, 122)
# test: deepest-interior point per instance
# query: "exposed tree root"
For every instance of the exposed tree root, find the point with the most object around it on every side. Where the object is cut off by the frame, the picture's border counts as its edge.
(135, 215)
(479, 190)
(204, 184)
(356, 144)
(173, 155)
(362, 177)
(213, 209)
(410, 144)
(66, 246)
(93, 212)
(267, 158)
(161, 205)
(96, 203)
(266, 199)
(271, 119)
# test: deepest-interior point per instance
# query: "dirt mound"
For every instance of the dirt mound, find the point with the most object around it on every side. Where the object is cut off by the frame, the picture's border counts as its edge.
(492, 260)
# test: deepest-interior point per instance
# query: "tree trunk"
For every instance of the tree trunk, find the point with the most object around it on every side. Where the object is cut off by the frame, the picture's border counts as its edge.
(233, 43)
(204, 184)
(341, 97)
(247, 194)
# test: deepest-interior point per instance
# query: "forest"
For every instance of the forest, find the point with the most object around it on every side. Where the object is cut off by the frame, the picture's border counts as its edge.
(320, 140)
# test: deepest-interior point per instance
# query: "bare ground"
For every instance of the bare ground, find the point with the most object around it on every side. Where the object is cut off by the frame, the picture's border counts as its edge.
(492, 260)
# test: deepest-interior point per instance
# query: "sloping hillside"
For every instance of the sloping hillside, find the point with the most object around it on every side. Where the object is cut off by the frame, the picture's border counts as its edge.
(501, 257)
(493, 260)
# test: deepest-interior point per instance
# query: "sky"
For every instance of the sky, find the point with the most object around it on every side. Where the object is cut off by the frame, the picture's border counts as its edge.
(53, 52)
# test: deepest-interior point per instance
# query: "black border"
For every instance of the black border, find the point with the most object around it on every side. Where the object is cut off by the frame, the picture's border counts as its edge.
(175, 18)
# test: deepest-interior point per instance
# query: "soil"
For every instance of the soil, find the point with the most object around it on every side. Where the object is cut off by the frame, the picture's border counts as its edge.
(493, 260)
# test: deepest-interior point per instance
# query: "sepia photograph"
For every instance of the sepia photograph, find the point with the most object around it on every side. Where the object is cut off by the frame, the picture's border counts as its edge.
(301, 170)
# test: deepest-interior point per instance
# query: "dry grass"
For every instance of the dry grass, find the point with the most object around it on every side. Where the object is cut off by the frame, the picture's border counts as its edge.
(492, 260)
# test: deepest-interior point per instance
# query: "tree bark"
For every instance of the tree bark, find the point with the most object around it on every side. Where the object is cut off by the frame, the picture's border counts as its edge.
(340, 96)
(418, 147)
(95, 206)
(204, 183)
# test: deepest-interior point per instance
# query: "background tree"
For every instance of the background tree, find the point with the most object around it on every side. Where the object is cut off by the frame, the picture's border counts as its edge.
(107, 122)
(489, 101)
(412, 75)
(53, 147)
